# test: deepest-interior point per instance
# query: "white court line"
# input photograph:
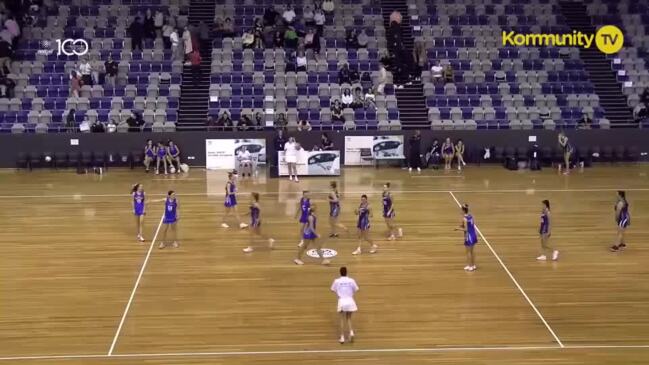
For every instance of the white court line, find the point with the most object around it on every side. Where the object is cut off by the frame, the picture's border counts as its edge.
(369, 191)
(556, 338)
(137, 284)
(324, 352)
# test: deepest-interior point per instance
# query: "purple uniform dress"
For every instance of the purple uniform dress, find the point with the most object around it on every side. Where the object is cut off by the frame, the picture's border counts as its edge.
(230, 195)
(309, 234)
(363, 218)
(305, 205)
(388, 211)
(470, 236)
(138, 203)
(255, 219)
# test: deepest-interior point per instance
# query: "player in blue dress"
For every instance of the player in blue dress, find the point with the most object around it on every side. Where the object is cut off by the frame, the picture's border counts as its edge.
(310, 236)
(448, 152)
(470, 237)
(149, 154)
(334, 210)
(364, 214)
(459, 154)
(161, 156)
(545, 231)
(170, 220)
(173, 155)
(303, 213)
(389, 213)
(138, 209)
(567, 152)
(230, 202)
(255, 223)
(623, 220)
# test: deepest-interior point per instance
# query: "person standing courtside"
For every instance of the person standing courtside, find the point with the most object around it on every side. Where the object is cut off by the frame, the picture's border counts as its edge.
(415, 152)
(345, 288)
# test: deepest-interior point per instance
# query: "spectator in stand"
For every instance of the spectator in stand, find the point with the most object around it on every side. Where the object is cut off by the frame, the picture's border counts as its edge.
(258, 31)
(84, 126)
(304, 126)
(210, 123)
(149, 25)
(415, 152)
(645, 96)
(259, 121)
(187, 43)
(585, 122)
(6, 53)
(85, 69)
(395, 17)
(203, 31)
(281, 121)
(328, 6)
(98, 71)
(325, 143)
(437, 72)
(344, 76)
(290, 38)
(359, 99)
(71, 120)
(448, 74)
(97, 127)
(312, 41)
(177, 48)
(7, 86)
(394, 37)
(419, 58)
(347, 98)
(248, 39)
(75, 84)
(352, 39)
(279, 39)
(337, 112)
(218, 26)
(362, 39)
(14, 29)
(158, 23)
(228, 29)
(288, 15)
(244, 122)
(270, 16)
(434, 155)
(195, 59)
(307, 16)
(167, 29)
(224, 121)
(382, 80)
(269, 37)
(301, 61)
(319, 19)
(136, 31)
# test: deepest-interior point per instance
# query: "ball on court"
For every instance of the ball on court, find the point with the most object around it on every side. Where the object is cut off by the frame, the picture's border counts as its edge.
(48, 158)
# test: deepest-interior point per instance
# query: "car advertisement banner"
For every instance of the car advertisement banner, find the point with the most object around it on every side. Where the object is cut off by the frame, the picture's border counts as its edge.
(312, 163)
(376, 147)
(222, 153)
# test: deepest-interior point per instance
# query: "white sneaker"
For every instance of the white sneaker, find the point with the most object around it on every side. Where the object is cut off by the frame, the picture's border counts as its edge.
(175, 245)
(225, 225)
(467, 268)
(418, 169)
(391, 238)
(298, 262)
(409, 169)
(555, 255)
(400, 232)
(459, 168)
(301, 244)
(271, 243)
(357, 251)
(296, 179)
(248, 249)
(351, 336)
(140, 238)
(341, 340)
(542, 258)
(290, 177)
(242, 225)
(473, 268)
(374, 249)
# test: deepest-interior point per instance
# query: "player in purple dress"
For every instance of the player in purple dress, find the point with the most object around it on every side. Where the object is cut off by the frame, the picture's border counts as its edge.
(303, 213)
(255, 223)
(310, 236)
(139, 209)
(231, 202)
(364, 214)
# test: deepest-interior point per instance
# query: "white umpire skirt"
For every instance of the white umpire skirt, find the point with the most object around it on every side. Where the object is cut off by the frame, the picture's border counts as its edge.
(347, 305)
(290, 158)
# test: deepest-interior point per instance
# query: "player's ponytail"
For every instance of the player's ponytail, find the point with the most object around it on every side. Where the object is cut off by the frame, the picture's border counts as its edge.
(135, 187)
(255, 196)
(546, 203)
(465, 208)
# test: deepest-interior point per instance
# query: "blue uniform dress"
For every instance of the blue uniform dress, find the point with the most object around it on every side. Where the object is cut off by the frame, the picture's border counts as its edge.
(305, 205)
(567, 147)
(148, 151)
(173, 151)
(255, 219)
(624, 220)
(363, 218)
(545, 224)
(470, 236)
(309, 234)
(170, 211)
(138, 203)
(334, 207)
(388, 211)
(230, 195)
(162, 152)
(448, 149)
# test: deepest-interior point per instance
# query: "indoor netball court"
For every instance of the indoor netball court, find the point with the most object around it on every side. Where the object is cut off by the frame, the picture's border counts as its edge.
(77, 288)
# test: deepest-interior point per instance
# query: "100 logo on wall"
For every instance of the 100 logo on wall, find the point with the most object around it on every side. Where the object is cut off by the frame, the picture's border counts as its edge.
(65, 47)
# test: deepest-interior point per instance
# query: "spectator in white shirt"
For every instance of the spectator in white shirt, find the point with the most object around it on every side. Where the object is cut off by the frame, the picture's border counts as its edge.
(436, 72)
(347, 98)
(85, 69)
(382, 80)
(300, 61)
(328, 6)
(176, 52)
(158, 22)
(289, 15)
(187, 42)
(345, 288)
(167, 29)
(307, 15)
(319, 19)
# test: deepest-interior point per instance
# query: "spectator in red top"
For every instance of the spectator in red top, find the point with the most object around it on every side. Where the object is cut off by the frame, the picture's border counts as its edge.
(195, 59)
(75, 84)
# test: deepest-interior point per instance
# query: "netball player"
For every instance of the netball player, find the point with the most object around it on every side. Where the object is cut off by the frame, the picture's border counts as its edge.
(303, 213)
(448, 151)
(173, 155)
(364, 214)
(170, 219)
(255, 223)
(149, 154)
(545, 232)
(459, 154)
(161, 156)
(389, 213)
(345, 288)
(470, 237)
(138, 209)
(567, 152)
(334, 210)
(310, 236)
(623, 220)
(231, 202)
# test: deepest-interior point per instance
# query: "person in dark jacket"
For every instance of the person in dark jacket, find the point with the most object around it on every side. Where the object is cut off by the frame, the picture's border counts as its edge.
(136, 31)
(415, 151)
(434, 155)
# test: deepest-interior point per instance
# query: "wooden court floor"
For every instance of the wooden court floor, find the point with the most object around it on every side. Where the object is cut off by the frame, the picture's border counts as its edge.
(75, 287)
